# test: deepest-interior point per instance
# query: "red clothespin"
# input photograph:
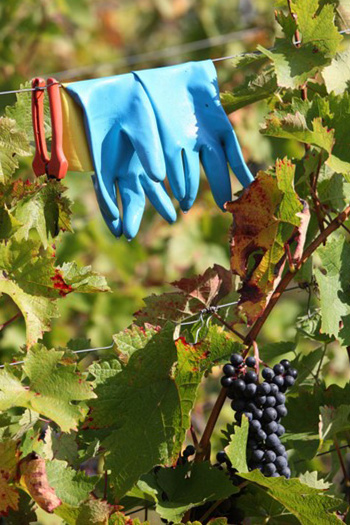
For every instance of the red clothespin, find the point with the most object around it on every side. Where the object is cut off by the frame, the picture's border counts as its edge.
(55, 167)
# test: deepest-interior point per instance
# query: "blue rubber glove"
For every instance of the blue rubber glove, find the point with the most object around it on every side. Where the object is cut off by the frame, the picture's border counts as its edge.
(125, 148)
(193, 126)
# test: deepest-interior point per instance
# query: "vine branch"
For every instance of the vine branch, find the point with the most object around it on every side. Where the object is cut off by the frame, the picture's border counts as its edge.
(7, 323)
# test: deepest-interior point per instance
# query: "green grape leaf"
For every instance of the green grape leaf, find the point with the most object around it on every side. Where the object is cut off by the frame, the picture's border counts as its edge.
(45, 209)
(71, 486)
(50, 387)
(130, 340)
(156, 386)
(253, 89)
(82, 280)
(295, 65)
(334, 280)
(266, 217)
(256, 503)
(176, 490)
(337, 75)
(334, 420)
(309, 504)
(13, 144)
(8, 224)
(193, 295)
(237, 449)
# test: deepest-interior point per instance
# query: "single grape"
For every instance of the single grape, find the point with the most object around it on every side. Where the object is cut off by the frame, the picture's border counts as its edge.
(289, 381)
(269, 469)
(250, 361)
(281, 410)
(268, 374)
(227, 381)
(236, 359)
(272, 440)
(239, 385)
(238, 405)
(279, 449)
(280, 430)
(275, 475)
(250, 390)
(251, 377)
(274, 389)
(261, 435)
(278, 369)
(281, 463)
(221, 457)
(269, 456)
(293, 372)
(252, 444)
(271, 428)
(255, 425)
(285, 363)
(258, 414)
(286, 472)
(278, 380)
(260, 400)
(269, 414)
(258, 466)
(257, 455)
(270, 401)
(280, 398)
(229, 370)
(231, 394)
(189, 451)
(264, 389)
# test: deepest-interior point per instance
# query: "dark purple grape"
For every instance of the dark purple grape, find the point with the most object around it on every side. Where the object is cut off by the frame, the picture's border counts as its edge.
(271, 428)
(267, 374)
(270, 401)
(239, 385)
(281, 410)
(272, 440)
(255, 425)
(285, 472)
(250, 361)
(260, 400)
(189, 451)
(275, 475)
(274, 389)
(258, 414)
(280, 398)
(227, 381)
(279, 449)
(238, 405)
(269, 456)
(251, 377)
(289, 381)
(269, 414)
(229, 370)
(260, 435)
(258, 466)
(257, 455)
(231, 394)
(252, 444)
(248, 415)
(278, 380)
(293, 372)
(269, 469)
(221, 457)
(236, 359)
(250, 390)
(281, 463)
(285, 363)
(280, 430)
(264, 389)
(278, 369)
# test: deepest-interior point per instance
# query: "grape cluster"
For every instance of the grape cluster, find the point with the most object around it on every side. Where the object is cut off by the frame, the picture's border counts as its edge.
(264, 406)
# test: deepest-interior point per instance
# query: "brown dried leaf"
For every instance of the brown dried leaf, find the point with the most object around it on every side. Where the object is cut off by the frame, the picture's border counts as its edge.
(34, 478)
(268, 216)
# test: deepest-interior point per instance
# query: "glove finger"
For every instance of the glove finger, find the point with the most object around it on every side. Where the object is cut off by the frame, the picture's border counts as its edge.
(143, 133)
(159, 198)
(112, 220)
(133, 201)
(176, 175)
(235, 158)
(215, 167)
(192, 177)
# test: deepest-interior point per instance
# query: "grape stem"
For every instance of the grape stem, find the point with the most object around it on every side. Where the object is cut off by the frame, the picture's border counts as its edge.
(255, 330)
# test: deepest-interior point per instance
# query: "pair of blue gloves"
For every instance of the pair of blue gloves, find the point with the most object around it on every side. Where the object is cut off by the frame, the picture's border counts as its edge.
(146, 125)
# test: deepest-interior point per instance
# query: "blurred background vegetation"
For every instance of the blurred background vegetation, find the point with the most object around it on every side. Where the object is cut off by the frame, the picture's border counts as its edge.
(76, 39)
